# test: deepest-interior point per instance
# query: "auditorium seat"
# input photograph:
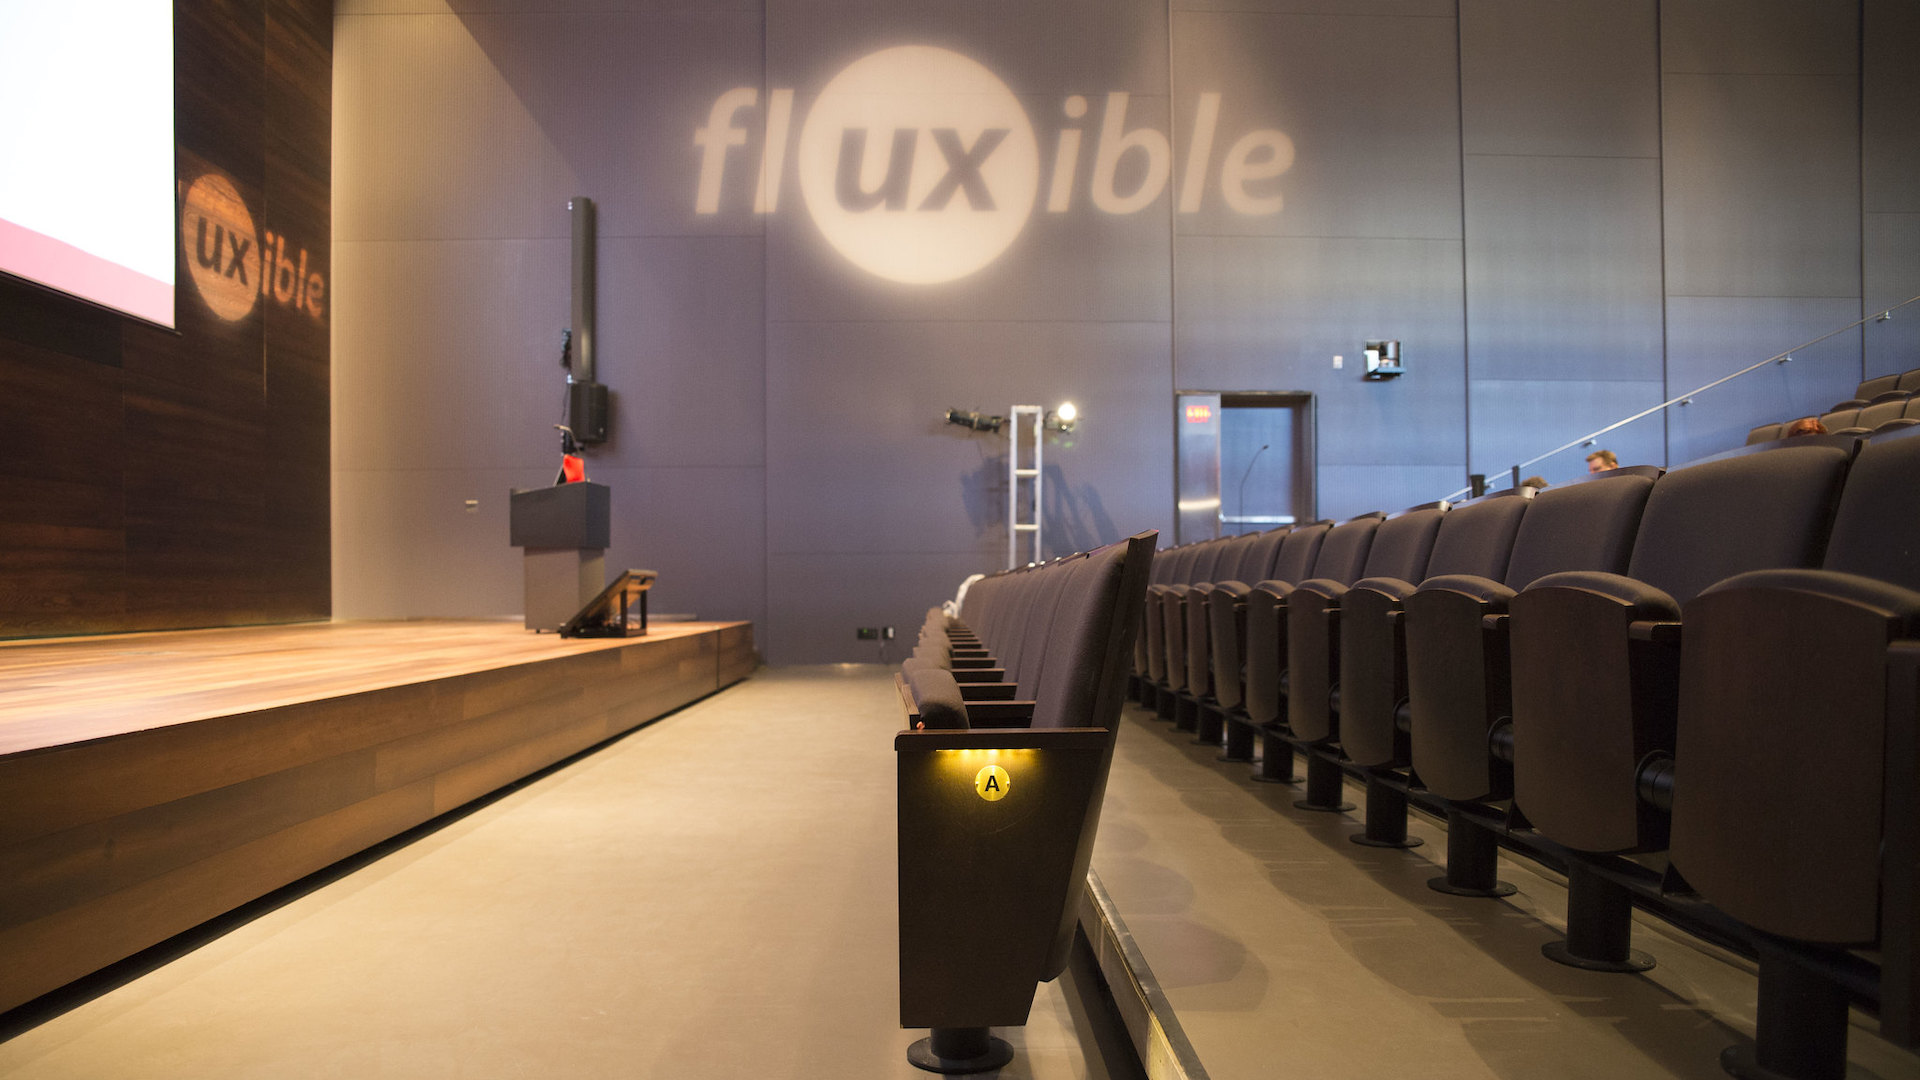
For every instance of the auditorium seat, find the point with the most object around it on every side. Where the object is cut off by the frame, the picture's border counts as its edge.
(1197, 680)
(1909, 381)
(1595, 656)
(1789, 814)
(1254, 562)
(1342, 555)
(1166, 639)
(1891, 405)
(1765, 433)
(1171, 602)
(1457, 643)
(1475, 538)
(1399, 549)
(1878, 385)
(1024, 802)
(1230, 607)
(1843, 417)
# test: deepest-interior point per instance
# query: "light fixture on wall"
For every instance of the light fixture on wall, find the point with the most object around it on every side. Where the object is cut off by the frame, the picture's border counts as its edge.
(1063, 418)
(976, 421)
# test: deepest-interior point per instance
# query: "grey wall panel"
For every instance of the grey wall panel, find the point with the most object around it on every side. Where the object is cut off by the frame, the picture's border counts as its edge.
(417, 101)
(1347, 490)
(1067, 47)
(446, 353)
(1271, 313)
(1760, 37)
(1370, 104)
(1436, 9)
(411, 549)
(496, 102)
(1711, 337)
(860, 460)
(702, 529)
(416, 551)
(628, 143)
(1762, 176)
(1576, 77)
(816, 600)
(1517, 420)
(1892, 274)
(1075, 264)
(1890, 102)
(682, 343)
(1563, 268)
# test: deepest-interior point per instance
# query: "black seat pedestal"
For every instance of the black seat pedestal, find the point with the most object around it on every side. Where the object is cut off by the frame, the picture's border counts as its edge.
(1599, 925)
(960, 1050)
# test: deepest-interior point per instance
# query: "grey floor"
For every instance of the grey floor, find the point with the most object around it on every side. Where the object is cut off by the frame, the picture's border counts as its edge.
(1285, 949)
(713, 896)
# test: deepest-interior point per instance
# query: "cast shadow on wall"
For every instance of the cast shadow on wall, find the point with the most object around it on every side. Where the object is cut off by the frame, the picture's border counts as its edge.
(1074, 519)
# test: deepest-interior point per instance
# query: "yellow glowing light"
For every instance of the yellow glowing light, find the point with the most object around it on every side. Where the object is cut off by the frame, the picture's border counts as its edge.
(1067, 412)
(992, 782)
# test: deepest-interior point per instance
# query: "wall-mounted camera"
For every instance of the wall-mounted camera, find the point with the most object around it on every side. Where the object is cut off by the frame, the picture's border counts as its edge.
(1383, 360)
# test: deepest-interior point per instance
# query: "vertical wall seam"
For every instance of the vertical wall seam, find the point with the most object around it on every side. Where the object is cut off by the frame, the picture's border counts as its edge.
(1466, 323)
(1860, 128)
(1173, 294)
(1660, 123)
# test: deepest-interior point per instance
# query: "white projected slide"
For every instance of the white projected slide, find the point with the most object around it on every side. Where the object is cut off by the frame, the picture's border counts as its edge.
(86, 150)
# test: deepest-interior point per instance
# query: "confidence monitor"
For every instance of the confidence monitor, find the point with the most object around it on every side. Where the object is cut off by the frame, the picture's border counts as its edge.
(616, 610)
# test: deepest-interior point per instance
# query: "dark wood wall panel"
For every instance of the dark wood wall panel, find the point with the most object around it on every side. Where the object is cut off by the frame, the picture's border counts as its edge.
(152, 479)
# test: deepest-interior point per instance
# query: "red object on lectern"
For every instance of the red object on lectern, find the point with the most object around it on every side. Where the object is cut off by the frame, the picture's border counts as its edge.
(573, 468)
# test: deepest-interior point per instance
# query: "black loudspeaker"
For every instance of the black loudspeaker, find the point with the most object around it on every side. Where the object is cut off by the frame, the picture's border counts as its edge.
(587, 412)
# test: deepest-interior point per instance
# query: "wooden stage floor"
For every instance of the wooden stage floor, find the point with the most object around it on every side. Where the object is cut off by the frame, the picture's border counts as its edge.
(149, 782)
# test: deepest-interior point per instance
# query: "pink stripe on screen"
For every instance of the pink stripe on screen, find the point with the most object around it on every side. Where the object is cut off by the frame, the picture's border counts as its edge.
(39, 257)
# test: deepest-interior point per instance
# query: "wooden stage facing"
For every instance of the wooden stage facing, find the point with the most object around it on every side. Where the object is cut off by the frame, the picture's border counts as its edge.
(149, 782)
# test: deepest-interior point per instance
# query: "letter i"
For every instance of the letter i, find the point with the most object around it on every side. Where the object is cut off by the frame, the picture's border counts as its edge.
(1066, 159)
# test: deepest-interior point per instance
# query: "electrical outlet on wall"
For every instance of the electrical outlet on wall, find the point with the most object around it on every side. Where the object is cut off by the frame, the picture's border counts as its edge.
(1339, 362)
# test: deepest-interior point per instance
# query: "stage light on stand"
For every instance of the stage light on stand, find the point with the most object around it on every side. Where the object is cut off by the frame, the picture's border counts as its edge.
(975, 421)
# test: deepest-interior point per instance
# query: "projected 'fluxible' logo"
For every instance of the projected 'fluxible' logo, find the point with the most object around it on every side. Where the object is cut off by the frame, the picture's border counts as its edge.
(920, 166)
(232, 265)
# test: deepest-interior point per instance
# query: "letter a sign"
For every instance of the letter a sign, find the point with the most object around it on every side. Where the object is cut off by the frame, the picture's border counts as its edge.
(992, 783)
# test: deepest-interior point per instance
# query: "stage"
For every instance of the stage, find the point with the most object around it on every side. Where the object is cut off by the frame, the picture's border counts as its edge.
(149, 782)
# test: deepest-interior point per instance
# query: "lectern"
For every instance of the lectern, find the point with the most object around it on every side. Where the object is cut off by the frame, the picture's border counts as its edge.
(564, 531)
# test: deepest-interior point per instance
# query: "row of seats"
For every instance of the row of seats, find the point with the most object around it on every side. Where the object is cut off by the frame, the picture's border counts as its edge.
(1012, 707)
(1879, 404)
(1517, 660)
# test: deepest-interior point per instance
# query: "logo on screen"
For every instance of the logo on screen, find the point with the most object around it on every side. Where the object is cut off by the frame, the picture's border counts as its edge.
(920, 166)
(233, 265)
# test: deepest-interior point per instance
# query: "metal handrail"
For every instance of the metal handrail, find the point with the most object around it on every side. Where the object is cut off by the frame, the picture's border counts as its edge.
(1687, 398)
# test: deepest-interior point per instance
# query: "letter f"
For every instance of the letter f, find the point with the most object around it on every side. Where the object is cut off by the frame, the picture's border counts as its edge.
(713, 141)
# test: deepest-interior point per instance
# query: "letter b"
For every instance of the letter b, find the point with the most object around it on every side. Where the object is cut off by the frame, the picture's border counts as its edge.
(1115, 142)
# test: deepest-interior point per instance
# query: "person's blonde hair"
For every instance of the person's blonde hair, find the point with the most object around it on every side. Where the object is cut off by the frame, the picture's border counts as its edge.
(1606, 458)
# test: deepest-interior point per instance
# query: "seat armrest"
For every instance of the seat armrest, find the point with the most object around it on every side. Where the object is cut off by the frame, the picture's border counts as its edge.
(1644, 601)
(979, 675)
(936, 700)
(1392, 588)
(1000, 714)
(1490, 593)
(1326, 587)
(988, 691)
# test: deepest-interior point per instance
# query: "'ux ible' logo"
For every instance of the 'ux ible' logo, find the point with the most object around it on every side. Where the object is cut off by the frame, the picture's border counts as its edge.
(920, 166)
(232, 265)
